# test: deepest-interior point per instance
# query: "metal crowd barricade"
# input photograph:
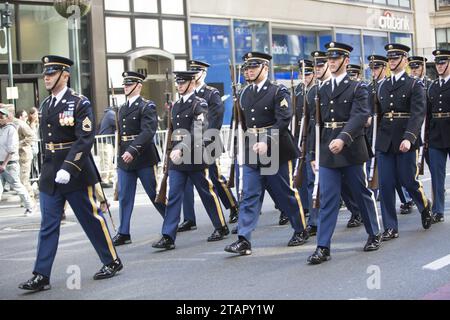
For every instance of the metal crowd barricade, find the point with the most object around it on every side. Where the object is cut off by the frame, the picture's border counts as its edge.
(104, 153)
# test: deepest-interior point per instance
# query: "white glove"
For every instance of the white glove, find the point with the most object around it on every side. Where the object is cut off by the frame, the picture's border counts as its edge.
(62, 177)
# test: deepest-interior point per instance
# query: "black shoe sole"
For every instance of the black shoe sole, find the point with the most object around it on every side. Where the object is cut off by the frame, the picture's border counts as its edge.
(44, 288)
(427, 221)
(122, 243)
(371, 249)
(165, 248)
(190, 229)
(389, 239)
(283, 222)
(215, 239)
(109, 276)
(243, 253)
(316, 262)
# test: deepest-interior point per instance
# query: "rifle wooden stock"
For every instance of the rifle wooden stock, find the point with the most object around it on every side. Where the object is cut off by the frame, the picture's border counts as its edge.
(117, 140)
(316, 190)
(373, 174)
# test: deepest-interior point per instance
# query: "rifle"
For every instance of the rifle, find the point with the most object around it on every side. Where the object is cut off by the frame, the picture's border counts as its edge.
(318, 129)
(117, 139)
(161, 196)
(240, 140)
(294, 103)
(424, 133)
(232, 136)
(373, 174)
(303, 134)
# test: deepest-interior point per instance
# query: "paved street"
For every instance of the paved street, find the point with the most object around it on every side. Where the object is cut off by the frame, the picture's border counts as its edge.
(201, 270)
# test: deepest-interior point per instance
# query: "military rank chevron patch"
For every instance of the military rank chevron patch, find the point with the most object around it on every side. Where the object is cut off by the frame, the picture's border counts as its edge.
(87, 125)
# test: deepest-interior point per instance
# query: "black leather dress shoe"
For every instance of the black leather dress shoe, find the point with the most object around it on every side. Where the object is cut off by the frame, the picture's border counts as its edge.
(427, 217)
(234, 212)
(219, 234)
(187, 225)
(354, 222)
(235, 230)
(121, 239)
(283, 219)
(312, 230)
(390, 234)
(406, 208)
(298, 238)
(319, 256)
(109, 271)
(37, 283)
(373, 243)
(165, 242)
(242, 247)
(438, 217)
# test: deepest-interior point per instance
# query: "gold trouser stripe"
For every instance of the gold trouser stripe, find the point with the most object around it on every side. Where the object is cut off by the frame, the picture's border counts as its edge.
(297, 196)
(224, 186)
(214, 195)
(424, 197)
(102, 222)
(366, 183)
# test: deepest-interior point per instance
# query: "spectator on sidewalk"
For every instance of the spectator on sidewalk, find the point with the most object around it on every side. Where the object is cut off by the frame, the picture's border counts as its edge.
(33, 122)
(106, 147)
(9, 159)
(26, 140)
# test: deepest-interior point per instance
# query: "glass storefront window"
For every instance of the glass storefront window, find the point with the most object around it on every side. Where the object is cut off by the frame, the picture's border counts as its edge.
(180, 65)
(174, 37)
(443, 38)
(118, 28)
(353, 38)
(147, 33)
(3, 45)
(42, 31)
(172, 7)
(323, 40)
(403, 38)
(115, 69)
(147, 6)
(373, 44)
(211, 43)
(117, 5)
(287, 49)
(250, 36)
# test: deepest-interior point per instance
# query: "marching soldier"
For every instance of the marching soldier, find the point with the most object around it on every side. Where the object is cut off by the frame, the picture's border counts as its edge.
(68, 174)
(216, 111)
(354, 72)
(343, 152)
(187, 161)
(138, 156)
(439, 141)
(267, 113)
(402, 102)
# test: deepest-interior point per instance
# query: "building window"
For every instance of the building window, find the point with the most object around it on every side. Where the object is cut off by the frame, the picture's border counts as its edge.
(115, 69)
(443, 38)
(443, 4)
(118, 28)
(172, 7)
(394, 3)
(353, 38)
(147, 33)
(174, 36)
(146, 6)
(42, 30)
(117, 5)
(403, 38)
(250, 36)
(211, 43)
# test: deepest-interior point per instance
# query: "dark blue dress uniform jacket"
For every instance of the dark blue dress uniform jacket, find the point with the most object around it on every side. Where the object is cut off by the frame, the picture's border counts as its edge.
(188, 118)
(439, 99)
(269, 108)
(139, 120)
(406, 96)
(347, 103)
(75, 158)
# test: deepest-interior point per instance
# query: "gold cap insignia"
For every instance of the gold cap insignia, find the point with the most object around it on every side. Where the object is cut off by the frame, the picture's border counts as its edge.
(438, 52)
(126, 74)
(46, 60)
(391, 47)
(316, 54)
(250, 55)
(332, 45)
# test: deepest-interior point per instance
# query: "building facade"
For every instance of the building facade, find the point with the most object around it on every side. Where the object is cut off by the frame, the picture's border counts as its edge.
(159, 36)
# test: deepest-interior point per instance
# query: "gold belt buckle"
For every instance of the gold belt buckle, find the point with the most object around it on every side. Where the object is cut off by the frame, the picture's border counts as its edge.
(390, 115)
(334, 125)
(51, 147)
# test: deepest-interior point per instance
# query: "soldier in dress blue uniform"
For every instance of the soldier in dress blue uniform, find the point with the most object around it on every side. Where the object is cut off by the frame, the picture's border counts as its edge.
(439, 138)
(343, 152)
(299, 93)
(403, 108)
(68, 174)
(267, 113)
(138, 156)
(354, 72)
(189, 161)
(216, 111)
